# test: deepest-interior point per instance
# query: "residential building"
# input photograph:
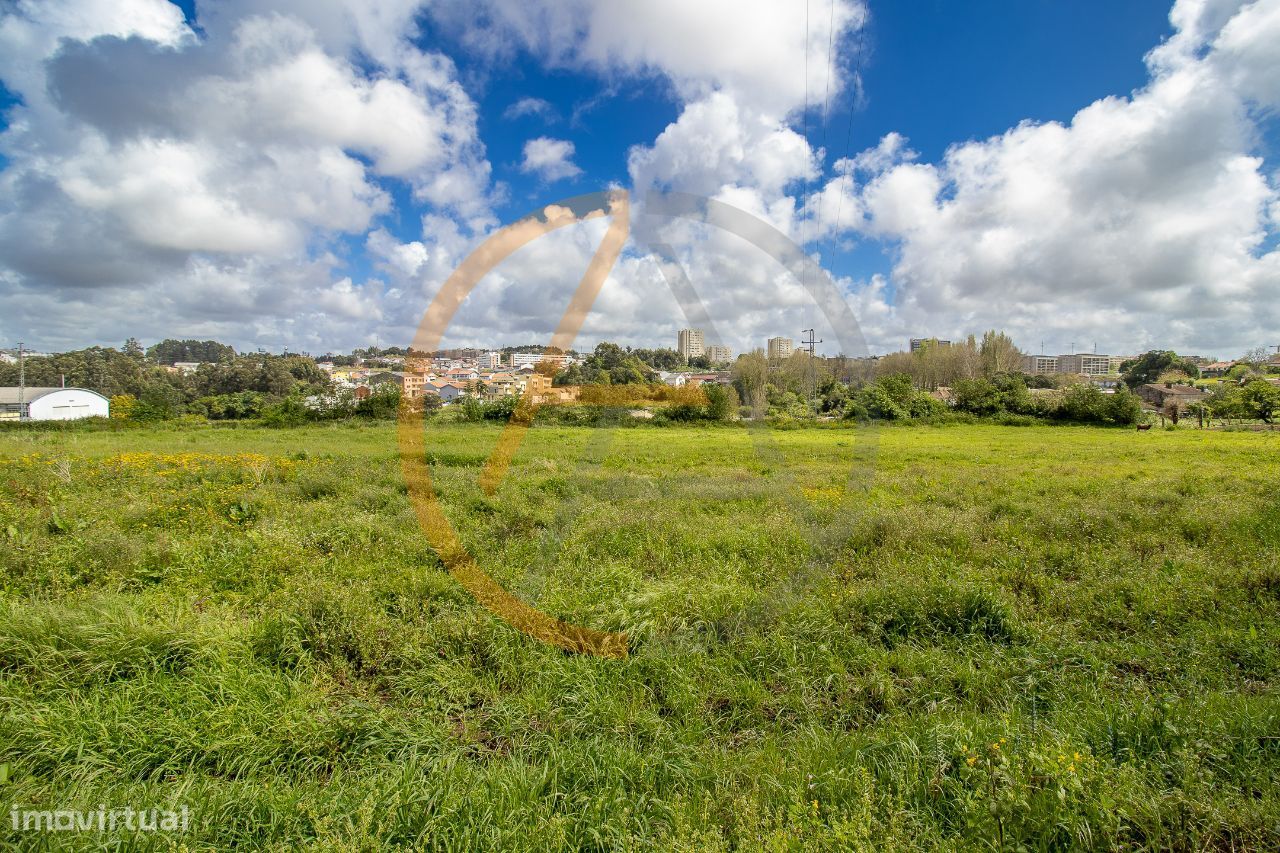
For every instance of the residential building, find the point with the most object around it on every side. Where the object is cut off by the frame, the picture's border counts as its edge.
(531, 359)
(491, 360)
(1039, 364)
(1088, 364)
(462, 375)
(52, 404)
(414, 385)
(446, 391)
(918, 344)
(689, 343)
(541, 391)
(1216, 369)
(501, 384)
(780, 347)
(1166, 396)
(718, 353)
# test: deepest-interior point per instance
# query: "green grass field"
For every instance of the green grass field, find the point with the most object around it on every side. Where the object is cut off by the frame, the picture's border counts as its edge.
(998, 638)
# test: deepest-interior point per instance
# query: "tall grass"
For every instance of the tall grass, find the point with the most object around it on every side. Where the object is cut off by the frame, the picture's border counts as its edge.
(1040, 638)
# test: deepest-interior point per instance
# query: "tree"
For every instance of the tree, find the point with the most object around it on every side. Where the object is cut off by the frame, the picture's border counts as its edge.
(607, 356)
(1257, 356)
(1123, 407)
(892, 398)
(1261, 399)
(977, 396)
(659, 359)
(133, 349)
(751, 377)
(722, 401)
(170, 351)
(1014, 396)
(383, 402)
(287, 413)
(1173, 377)
(998, 354)
(1149, 366)
(1085, 403)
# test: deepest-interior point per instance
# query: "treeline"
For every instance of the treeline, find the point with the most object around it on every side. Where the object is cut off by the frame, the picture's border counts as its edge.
(1005, 397)
(171, 351)
(976, 378)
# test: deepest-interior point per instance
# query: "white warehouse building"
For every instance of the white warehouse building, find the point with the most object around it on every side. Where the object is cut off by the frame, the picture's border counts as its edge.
(52, 404)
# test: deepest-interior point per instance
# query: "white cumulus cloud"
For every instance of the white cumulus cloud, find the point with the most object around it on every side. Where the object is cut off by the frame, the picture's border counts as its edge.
(549, 159)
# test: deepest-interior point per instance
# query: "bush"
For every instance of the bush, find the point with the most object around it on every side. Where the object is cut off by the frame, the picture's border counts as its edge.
(237, 406)
(383, 403)
(979, 396)
(288, 412)
(501, 409)
(1089, 405)
(681, 413)
(722, 402)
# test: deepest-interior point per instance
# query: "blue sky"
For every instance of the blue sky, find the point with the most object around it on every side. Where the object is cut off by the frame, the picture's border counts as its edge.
(307, 172)
(936, 72)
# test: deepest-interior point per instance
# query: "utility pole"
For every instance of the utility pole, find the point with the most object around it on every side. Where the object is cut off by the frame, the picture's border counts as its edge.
(813, 369)
(22, 382)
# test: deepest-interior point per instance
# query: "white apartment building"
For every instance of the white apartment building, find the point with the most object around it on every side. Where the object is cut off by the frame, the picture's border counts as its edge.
(718, 353)
(533, 359)
(780, 347)
(1089, 364)
(1039, 364)
(689, 343)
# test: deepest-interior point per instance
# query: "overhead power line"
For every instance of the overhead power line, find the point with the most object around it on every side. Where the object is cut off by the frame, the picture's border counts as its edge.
(853, 105)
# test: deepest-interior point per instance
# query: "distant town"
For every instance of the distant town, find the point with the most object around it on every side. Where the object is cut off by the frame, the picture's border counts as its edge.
(210, 379)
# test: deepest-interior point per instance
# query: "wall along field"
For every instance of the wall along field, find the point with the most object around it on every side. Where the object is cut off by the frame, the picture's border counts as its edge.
(1057, 636)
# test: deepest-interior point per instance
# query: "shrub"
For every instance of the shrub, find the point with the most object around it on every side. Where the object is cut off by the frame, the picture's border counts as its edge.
(288, 412)
(722, 402)
(383, 403)
(979, 396)
(237, 406)
(122, 406)
(471, 409)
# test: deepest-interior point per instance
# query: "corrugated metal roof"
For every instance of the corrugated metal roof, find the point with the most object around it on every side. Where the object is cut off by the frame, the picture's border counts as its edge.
(9, 396)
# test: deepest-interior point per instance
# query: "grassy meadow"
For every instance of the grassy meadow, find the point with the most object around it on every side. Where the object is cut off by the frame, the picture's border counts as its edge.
(985, 638)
